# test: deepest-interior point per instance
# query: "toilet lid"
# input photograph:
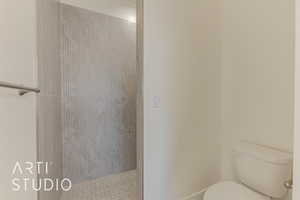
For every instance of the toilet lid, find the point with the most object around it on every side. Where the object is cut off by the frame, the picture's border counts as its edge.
(231, 191)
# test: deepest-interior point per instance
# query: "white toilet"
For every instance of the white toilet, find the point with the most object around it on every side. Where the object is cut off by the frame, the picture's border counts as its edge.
(261, 171)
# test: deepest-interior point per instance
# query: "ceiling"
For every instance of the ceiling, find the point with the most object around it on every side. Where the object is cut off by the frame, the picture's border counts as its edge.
(125, 9)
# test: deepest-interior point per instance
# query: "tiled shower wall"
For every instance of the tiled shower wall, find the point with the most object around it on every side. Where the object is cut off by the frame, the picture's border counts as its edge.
(49, 100)
(98, 60)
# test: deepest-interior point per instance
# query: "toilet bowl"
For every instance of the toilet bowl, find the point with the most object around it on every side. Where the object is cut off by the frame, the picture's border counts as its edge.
(232, 191)
(261, 171)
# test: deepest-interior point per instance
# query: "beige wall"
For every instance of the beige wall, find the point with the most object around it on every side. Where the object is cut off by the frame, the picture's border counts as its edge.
(192, 76)
(257, 75)
(18, 42)
(17, 114)
(296, 192)
(182, 97)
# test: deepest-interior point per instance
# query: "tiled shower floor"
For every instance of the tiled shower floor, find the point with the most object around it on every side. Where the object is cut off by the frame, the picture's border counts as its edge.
(116, 187)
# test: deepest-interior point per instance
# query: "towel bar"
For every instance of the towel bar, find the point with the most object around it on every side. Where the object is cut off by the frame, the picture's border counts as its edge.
(22, 89)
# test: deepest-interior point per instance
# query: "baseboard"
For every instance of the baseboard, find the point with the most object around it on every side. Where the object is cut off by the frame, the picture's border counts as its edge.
(196, 196)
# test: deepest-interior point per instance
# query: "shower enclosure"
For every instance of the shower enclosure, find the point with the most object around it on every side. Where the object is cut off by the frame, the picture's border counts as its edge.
(88, 102)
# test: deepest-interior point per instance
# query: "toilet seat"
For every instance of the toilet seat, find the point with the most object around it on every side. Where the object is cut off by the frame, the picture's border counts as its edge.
(232, 191)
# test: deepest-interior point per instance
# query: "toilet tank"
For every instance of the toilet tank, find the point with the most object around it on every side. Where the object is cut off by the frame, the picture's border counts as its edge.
(262, 168)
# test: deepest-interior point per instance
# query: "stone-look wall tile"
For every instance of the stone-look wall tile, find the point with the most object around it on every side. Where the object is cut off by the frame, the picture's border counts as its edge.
(50, 140)
(49, 100)
(98, 59)
(49, 74)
